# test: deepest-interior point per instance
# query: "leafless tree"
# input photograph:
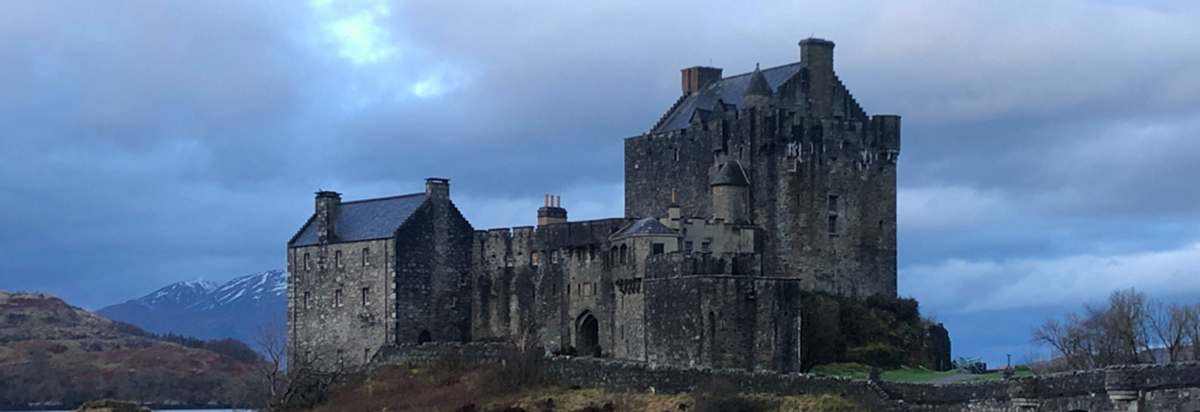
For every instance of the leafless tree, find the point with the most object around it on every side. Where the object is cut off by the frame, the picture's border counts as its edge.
(1117, 332)
(296, 380)
(1171, 326)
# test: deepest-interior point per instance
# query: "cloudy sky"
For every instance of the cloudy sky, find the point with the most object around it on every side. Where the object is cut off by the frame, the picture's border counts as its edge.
(1049, 148)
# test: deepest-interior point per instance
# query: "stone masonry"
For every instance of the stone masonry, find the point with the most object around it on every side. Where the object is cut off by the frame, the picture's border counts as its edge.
(750, 190)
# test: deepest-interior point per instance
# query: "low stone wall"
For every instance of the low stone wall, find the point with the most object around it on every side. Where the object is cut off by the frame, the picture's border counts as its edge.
(474, 353)
(1120, 388)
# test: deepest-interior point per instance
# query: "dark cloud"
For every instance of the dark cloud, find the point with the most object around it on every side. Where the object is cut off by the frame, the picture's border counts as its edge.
(148, 143)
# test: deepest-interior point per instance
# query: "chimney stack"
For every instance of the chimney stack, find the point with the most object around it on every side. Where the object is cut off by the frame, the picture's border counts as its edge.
(327, 204)
(816, 57)
(696, 78)
(551, 211)
(437, 188)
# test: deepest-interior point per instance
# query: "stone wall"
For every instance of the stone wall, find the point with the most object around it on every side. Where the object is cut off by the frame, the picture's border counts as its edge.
(433, 299)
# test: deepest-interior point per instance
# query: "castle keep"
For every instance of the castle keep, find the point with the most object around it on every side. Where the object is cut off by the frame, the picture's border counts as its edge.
(749, 190)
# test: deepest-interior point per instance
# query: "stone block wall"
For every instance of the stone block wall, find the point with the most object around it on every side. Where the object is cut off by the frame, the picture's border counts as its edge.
(340, 304)
(433, 270)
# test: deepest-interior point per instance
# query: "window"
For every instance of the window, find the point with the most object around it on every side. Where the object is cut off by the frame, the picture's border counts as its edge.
(366, 254)
(533, 258)
(833, 203)
(366, 292)
(337, 258)
(307, 266)
(337, 298)
(306, 300)
(624, 254)
(687, 246)
(704, 246)
(833, 224)
(366, 355)
(657, 249)
(568, 289)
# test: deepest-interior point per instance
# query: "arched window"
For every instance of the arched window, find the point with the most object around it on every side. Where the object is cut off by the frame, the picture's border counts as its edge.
(624, 254)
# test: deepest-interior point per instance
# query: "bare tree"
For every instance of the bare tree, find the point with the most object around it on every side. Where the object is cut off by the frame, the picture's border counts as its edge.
(1170, 326)
(1114, 333)
(294, 380)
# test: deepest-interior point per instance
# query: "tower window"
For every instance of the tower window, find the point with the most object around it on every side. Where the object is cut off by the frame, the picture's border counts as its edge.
(337, 258)
(657, 248)
(833, 224)
(337, 298)
(366, 253)
(365, 292)
(533, 258)
(307, 266)
(306, 294)
(833, 203)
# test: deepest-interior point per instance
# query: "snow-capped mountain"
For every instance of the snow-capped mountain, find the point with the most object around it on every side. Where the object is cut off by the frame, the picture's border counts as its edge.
(238, 309)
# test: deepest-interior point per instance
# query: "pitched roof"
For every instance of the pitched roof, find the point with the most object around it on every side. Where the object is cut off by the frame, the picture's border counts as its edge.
(758, 85)
(364, 219)
(645, 226)
(731, 174)
(729, 90)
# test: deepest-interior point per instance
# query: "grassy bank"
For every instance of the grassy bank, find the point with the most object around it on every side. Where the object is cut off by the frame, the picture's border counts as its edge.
(396, 389)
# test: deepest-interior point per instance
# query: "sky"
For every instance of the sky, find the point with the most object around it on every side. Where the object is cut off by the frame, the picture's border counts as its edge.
(1048, 148)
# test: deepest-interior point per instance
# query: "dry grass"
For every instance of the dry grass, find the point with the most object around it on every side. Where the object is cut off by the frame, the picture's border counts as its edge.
(401, 389)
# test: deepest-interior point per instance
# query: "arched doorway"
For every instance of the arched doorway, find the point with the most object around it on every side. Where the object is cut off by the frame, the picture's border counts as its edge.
(423, 337)
(587, 337)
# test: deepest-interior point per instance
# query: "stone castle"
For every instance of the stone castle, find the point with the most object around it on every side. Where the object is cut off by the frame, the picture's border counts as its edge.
(750, 190)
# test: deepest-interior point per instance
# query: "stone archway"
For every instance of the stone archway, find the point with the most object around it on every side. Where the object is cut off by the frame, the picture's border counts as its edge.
(423, 337)
(587, 336)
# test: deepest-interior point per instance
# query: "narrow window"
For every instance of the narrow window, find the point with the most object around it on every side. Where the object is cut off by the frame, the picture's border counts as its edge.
(568, 289)
(657, 248)
(337, 298)
(677, 154)
(833, 224)
(533, 258)
(366, 292)
(833, 203)
(366, 253)
(307, 266)
(306, 300)
(337, 258)
(366, 355)
(624, 254)
(687, 246)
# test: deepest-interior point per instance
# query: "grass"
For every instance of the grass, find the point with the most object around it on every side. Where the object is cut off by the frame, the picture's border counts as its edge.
(905, 374)
(399, 389)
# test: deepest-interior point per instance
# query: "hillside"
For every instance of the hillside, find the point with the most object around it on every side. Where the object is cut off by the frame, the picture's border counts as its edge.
(237, 309)
(52, 353)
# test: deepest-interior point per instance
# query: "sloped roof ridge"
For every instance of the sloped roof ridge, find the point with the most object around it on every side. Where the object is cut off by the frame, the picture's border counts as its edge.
(382, 198)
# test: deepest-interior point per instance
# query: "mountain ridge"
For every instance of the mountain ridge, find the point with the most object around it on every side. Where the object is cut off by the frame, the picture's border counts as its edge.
(240, 308)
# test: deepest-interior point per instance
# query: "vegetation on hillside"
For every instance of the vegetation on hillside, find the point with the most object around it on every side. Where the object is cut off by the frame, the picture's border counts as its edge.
(880, 331)
(53, 352)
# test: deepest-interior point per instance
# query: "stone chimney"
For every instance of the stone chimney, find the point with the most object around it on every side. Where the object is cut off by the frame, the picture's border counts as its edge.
(551, 211)
(327, 204)
(437, 188)
(816, 57)
(696, 78)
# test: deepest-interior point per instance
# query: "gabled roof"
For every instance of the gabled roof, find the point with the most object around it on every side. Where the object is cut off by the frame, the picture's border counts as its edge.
(758, 85)
(645, 226)
(729, 90)
(364, 219)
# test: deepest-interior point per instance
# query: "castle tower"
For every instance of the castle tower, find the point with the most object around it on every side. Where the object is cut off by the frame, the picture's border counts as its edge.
(729, 193)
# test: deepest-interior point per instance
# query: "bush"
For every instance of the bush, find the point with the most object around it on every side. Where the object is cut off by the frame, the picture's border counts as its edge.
(233, 348)
(877, 354)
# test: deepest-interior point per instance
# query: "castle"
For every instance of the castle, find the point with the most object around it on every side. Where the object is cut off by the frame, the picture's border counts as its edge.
(750, 190)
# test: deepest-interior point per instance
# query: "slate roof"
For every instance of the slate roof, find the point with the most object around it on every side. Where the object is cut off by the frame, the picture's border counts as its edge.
(728, 90)
(731, 174)
(364, 219)
(645, 226)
